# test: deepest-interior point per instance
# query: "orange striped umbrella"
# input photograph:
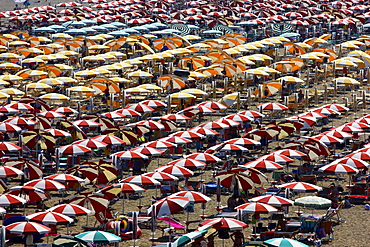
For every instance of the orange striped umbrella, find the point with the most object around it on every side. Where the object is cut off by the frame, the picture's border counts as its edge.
(196, 62)
(171, 81)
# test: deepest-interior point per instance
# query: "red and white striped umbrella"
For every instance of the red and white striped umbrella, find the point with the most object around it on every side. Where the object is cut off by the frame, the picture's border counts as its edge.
(110, 140)
(9, 171)
(359, 125)
(301, 187)
(326, 111)
(175, 139)
(273, 200)
(65, 110)
(170, 205)
(233, 148)
(257, 207)
(8, 127)
(188, 135)
(154, 103)
(29, 193)
(160, 144)
(91, 143)
(27, 228)
(336, 107)
(271, 107)
(141, 180)
(229, 122)
(9, 147)
(70, 210)
(161, 176)
(176, 117)
(338, 169)
(58, 133)
(63, 178)
(327, 139)
(129, 188)
(224, 224)
(188, 163)
(50, 218)
(7, 200)
(130, 155)
(350, 161)
(73, 149)
(142, 108)
(277, 158)
(193, 196)
(86, 123)
(20, 121)
(113, 115)
(214, 105)
(252, 114)
(263, 165)
(20, 106)
(214, 125)
(51, 114)
(339, 134)
(204, 131)
(150, 124)
(148, 151)
(8, 110)
(359, 155)
(290, 153)
(203, 157)
(46, 185)
(349, 129)
(177, 171)
(129, 112)
(245, 142)
(239, 118)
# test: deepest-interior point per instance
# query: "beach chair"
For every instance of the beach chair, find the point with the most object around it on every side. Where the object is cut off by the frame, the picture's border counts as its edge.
(333, 214)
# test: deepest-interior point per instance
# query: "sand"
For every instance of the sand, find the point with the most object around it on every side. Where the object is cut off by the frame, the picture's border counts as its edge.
(353, 233)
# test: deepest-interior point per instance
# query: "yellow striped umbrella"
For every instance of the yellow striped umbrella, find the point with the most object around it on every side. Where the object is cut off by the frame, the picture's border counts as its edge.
(195, 92)
(3, 48)
(93, 59)
(11, 36)
(4, 83)
(181, 96)
(4, 95)
(10, 66)
(11, 78)
(256, 72)
(8, 55)
(85, 73)
(38, 86)
(291, 79)
(12, 91)
(32, 73)
(133, 61)
(197, 75)
(120, 80)
(68, 53)
(54, 96)
(51, 81)
(140, 74)
(136, 90)
(150, 87)
(66, 80)
(61, 36)
(18, 43)
(99, 47)
(81, 89)
(347, 81)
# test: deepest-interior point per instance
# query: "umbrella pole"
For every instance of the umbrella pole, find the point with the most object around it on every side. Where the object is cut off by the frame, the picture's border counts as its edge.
(123, 203)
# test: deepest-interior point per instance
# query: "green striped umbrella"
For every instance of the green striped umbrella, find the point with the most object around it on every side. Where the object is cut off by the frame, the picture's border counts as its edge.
(98, 237)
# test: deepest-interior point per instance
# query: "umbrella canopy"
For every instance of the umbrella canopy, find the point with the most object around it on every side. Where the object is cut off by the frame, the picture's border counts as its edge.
(338, 169)
(177, 171)
(313, 202)
(73, 149)
(284, 242)
(141, 180)
(193, 196)
(7, 200)
(225, 224)
(99, 237)
(9, 171)
(170, 205)
(257, 207)
(26, 228)
(301, 187)
(46, 185)
(273, 200)
(50, 218)
(70, 210)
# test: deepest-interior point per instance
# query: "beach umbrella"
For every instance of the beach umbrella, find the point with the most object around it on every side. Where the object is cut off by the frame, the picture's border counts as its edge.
(8, 110)
(98, 237)
(239, 118)
(233, 148)
(8, 127)
(142, 108)
(86, 123)
(301, 187)
(230, 179)
(7, 147)
(29, 193)
(313, 202)
(141, 180)
(129, 113)
(7, 200)
(273, 200)
(170, 205)
(214, 125)
(9, 171)
(63, 178)
(51, 114)
(148, 151)
(245, 142)
(50, 218)
(188, 135)
(65, 110)
(338, 169)
(225, 224)
(188, 163)
(262, 164)
(109, 140)
(20, 121)
(54, 96)
(359, 155)
(161, 176)
(291, 153)
(91, 143)
(284, 242)
(251, 114)
(20, 106)
(130, 155)
(27, 228)
(177, 171)
(96, 202)
(70, 210)
(189, 237)
(353, 162)
(336, 107)
(46, 185)
(193, 196)
(73, 149)
(204, 131)
(257, 207)
(58, 133)
(271, 107)
(203, 157)
(160, 144)
(175, 139)
(327, 139)
(277, 158)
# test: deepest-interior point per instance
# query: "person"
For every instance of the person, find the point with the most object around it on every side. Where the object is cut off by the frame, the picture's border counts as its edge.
(260, 228)
(211, 239)
(232, 202)
(238, 238)
(334, 195)
(347, 203)
(281, 225)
